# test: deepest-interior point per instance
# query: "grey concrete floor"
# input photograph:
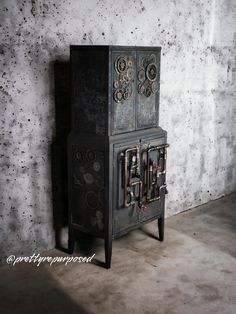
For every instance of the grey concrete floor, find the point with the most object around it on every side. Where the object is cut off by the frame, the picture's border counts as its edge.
(192, 271)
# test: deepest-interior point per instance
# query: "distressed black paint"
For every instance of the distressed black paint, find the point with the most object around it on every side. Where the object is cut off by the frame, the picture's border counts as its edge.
(108, 196)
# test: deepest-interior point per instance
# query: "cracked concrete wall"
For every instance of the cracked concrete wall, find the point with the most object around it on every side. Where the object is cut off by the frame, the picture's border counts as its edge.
(197, 101)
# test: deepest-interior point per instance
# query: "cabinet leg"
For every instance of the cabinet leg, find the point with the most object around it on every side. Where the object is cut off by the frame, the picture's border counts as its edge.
(161, 228)
(108, 251)
(71, 241)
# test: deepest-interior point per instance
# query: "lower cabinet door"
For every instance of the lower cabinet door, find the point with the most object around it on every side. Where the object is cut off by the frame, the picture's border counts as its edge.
(126, 185)
(139, 182)
(153, 164)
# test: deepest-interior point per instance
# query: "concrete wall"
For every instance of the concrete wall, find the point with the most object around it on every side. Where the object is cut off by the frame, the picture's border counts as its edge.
(198, 100)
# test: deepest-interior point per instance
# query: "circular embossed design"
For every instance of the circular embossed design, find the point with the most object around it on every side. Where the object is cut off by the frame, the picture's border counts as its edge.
(148, 91)
(92, 200)
(141, 88)
(121, 64)
(96, 166)
(147, 75)
(88, 178)
(90, 155)
(154, 87)
(125, 95)
(129, 74)
(78, 156)
(118, 95)
(123, 79)
(141, 75)
(151, 72)
(130, 63)
(116, 84)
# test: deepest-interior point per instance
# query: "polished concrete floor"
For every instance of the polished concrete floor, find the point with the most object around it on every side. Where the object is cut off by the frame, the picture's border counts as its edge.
(192, 271)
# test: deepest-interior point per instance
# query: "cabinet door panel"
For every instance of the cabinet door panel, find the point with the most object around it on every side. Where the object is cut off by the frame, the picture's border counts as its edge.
(153, 154)
(123, 91)
(148, 80)
(126, 185)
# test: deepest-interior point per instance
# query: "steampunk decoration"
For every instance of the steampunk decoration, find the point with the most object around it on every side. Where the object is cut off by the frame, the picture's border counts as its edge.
(147, 76)
(116, 148)
(124, 79)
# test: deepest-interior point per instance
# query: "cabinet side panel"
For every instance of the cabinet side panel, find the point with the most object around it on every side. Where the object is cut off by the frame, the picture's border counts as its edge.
(89, 90)
(88, 188)
(148, 85)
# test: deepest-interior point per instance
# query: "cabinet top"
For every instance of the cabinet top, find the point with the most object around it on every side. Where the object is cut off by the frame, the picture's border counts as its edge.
(115, 47)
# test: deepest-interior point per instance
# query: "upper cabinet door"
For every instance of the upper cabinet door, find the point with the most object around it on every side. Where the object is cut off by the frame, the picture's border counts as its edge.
(123, 91)
(148, 82)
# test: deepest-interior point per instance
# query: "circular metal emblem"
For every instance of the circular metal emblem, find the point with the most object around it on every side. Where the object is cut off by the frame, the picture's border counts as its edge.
(125, 95)
(141, 88)
(154, 87)
(121, 64)
(151, 72)
(116, 84)
(148, 91)
(118, 95)
(130, 63)
(141, 75)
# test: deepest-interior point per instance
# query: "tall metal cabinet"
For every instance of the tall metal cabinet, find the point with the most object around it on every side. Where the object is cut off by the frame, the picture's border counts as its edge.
(116, 148)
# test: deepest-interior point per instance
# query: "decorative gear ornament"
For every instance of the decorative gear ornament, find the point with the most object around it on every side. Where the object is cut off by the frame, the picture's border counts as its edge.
(124, 78)
(147, 76)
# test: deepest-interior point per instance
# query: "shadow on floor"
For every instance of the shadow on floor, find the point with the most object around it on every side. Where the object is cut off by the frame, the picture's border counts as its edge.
(32, 289)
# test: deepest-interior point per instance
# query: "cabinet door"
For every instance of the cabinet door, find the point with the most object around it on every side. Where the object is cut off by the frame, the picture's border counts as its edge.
(139, 181)
(153, 165)
(122, 91)
(126, 185)
(148, 80)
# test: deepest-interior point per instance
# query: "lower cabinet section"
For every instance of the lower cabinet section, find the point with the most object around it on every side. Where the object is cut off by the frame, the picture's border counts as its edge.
(139, 182)
(116, 184)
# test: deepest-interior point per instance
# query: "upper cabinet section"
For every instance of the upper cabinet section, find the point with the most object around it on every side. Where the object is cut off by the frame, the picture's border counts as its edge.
(114, 89)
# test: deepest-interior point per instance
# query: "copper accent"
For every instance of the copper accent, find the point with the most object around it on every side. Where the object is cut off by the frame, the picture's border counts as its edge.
(163, 186)
(127, 176)
(158, 174)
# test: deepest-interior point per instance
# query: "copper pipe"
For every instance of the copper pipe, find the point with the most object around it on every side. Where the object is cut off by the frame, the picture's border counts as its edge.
(127, 176)
(149, 170)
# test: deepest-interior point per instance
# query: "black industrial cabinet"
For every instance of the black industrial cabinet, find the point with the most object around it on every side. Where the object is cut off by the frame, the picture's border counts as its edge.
(116, 149)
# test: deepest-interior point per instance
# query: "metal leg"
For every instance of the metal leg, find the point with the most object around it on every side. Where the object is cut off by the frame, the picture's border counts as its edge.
(161, 228)
(71, 241)
(108, 251)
